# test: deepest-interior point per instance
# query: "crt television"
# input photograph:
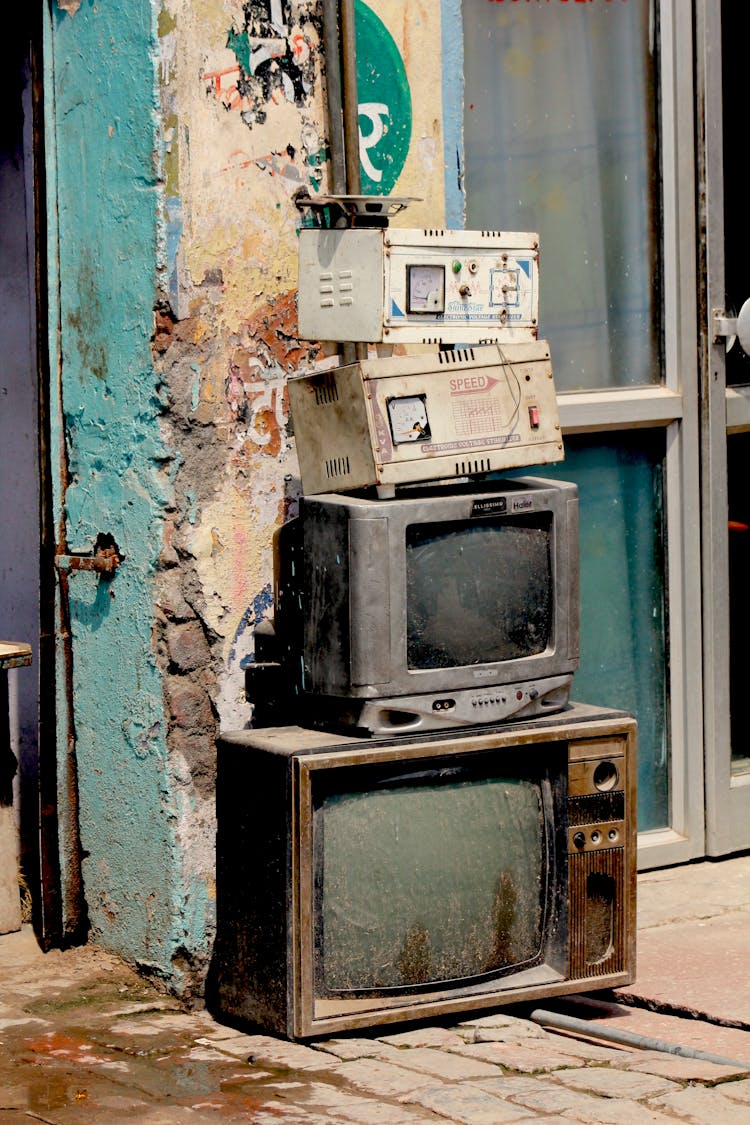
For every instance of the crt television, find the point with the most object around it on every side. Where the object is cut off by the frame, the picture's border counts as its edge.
(361, 882)
(445, 606)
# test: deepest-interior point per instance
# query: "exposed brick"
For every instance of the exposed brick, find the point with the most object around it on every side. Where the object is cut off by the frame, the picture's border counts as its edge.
(188, 647)
(189, 705)
(196, 753)
(170, 598)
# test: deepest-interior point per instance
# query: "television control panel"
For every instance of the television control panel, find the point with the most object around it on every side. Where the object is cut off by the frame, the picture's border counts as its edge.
(465, 708)
(418, 286)
(407, 419)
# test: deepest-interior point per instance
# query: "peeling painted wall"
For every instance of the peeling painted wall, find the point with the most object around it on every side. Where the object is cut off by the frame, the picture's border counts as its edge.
(114, 469)
(183, 130)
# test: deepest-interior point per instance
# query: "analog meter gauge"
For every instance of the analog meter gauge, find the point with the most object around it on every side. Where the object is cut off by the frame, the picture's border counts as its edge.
(426, 289)
(408, 418)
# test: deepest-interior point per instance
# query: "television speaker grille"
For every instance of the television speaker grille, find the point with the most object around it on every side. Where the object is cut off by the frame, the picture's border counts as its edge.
(597, 913)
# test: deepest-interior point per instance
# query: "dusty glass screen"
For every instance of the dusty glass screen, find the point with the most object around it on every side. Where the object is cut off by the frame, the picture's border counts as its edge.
(477, 593)
(430, 882)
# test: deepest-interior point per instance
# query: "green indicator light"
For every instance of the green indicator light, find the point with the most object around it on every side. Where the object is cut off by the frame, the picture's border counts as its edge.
(456, 267)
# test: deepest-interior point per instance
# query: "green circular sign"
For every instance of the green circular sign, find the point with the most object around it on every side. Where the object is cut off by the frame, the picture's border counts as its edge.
(384, 104)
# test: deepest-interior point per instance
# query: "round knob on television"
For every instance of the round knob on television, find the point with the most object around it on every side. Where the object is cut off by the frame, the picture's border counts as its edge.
(579, 840)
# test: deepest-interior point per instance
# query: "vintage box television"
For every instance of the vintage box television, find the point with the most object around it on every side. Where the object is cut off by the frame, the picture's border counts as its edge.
(364, 882)
(448, 414)
(444, 607)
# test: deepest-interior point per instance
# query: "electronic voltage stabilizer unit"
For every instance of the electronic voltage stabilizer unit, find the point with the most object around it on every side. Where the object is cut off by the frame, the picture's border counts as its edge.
(396, 286)
(399, 420)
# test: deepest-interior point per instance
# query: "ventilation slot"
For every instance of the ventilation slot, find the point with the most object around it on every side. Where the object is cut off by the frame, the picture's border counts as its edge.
(464, 355)
(457, 355)
(326, 393)
(466, 468)
(337, 467)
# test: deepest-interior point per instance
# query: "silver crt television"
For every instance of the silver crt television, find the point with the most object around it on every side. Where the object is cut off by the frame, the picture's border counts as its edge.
(444, 607)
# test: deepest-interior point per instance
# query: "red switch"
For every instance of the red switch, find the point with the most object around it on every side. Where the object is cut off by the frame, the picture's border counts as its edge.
(534, 417)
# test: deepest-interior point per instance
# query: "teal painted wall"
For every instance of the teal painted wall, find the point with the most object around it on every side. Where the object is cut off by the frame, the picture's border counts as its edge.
(102, 114)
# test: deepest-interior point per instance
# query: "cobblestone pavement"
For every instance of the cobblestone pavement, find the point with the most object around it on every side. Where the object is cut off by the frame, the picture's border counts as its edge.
(82, 1038)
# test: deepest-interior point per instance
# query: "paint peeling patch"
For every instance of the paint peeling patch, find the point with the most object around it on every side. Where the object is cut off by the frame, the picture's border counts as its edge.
(282, 165)
(69, 6)
(275, 62)
(164, 322)
(294, 169)
(275, 329)
(166, 27)
(258, 403)
(257, 611)
(255, 388)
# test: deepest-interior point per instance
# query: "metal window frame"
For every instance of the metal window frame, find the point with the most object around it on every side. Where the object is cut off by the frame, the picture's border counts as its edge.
(724, 410)
(673, 405)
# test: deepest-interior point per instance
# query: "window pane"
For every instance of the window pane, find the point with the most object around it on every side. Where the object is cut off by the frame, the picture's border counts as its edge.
(560, 138)
(623, 627)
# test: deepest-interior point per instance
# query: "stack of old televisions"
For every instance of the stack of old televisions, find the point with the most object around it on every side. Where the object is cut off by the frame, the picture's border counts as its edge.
(420, 822)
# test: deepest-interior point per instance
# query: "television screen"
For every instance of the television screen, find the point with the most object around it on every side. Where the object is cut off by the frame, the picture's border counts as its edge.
(478, 592)
(432, 877)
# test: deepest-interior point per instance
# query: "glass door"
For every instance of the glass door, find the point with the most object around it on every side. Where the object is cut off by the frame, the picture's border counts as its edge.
(578, 125)
(722, 30)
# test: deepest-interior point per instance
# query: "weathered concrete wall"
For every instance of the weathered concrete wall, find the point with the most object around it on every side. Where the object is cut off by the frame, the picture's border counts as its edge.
(184, 130)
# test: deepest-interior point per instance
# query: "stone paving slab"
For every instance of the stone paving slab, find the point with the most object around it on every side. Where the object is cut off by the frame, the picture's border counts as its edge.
(550, 1097)
(706, 973)
(522, 1057)
(612, 1083)
(706, 1107)
(693, 892)
(470, 1105)
(698, 1034)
